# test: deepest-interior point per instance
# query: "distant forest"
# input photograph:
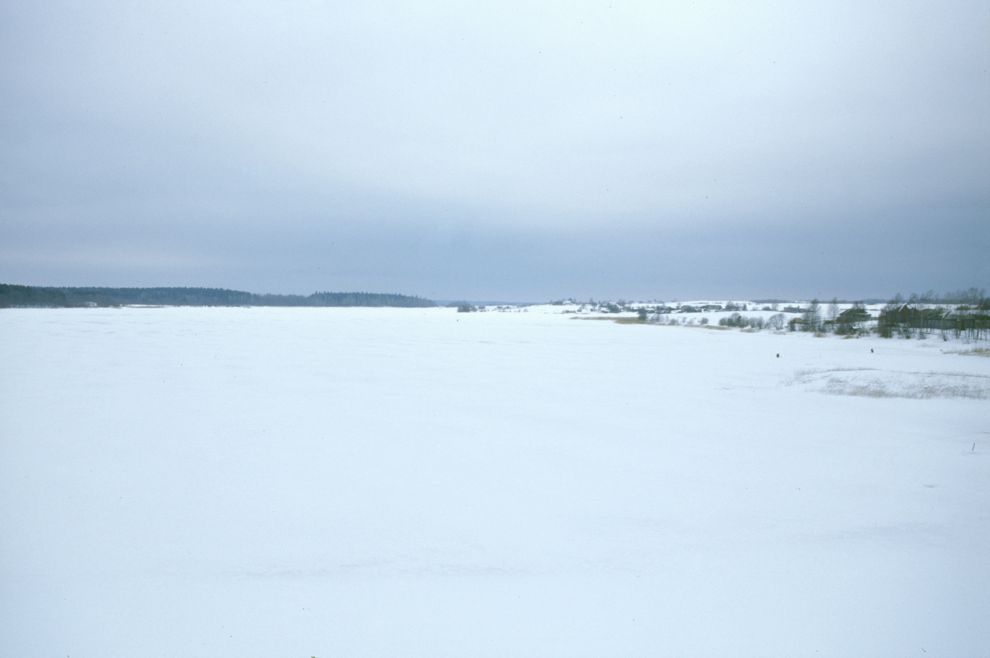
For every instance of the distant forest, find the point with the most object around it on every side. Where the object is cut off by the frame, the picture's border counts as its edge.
(13, 296)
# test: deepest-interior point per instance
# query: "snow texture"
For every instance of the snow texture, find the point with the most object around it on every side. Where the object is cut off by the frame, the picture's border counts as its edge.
(417, 482)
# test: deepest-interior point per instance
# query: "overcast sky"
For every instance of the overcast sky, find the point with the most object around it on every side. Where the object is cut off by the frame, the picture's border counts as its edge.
(504, 150)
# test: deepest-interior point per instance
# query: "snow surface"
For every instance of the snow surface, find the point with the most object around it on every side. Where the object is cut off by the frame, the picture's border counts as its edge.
(417, 482)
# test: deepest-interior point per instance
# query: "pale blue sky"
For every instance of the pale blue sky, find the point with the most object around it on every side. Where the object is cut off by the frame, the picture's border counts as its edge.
(498, 150)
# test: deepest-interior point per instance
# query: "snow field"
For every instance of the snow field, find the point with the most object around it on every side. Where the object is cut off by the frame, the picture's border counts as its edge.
(417, 482)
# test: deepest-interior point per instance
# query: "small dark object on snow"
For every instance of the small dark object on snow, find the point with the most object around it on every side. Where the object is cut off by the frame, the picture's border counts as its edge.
(778, 355)
(871, 350)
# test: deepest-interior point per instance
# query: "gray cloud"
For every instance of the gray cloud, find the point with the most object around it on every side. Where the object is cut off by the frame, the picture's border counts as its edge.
(497, 150)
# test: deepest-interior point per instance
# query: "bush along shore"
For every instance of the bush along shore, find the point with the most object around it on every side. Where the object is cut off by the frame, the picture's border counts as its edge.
(963, 314)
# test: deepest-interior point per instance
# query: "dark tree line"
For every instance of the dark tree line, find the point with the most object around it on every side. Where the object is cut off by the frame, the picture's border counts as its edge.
(961, 313)
(907, 319)
(35, 296)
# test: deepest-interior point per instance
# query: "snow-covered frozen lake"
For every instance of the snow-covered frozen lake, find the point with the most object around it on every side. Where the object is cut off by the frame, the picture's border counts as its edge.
(340, 482)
